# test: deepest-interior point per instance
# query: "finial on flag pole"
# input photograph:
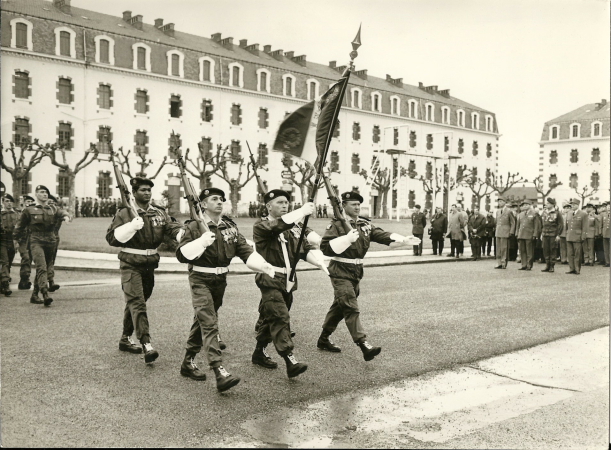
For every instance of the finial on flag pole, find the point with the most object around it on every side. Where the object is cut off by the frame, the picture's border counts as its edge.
(356, 43)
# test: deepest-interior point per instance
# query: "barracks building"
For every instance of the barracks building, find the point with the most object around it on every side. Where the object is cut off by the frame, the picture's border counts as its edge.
(84, 77)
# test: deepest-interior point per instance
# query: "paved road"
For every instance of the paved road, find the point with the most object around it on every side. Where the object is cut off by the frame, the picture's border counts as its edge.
(65, 383)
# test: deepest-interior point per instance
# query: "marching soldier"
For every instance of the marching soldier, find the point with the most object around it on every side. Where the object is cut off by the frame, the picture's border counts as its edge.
(139, 238)
(51, 269)
(40, 221)
(7, 245)
(505, 227)
(276, 237)
(418, 225)
(552, 228)
(25, 268)
(346, 271)
(528, 228)
(576, 224)
(208, 256)
(591, 233)
(477, 232)
(604, 229)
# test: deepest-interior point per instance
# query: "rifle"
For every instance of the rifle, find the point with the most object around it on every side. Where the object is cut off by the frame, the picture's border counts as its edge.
(254, 169)
(195, 208)
(126, 195)
(338, 211)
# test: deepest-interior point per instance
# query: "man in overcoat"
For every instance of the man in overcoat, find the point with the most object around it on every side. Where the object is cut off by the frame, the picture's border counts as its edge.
(505, 227)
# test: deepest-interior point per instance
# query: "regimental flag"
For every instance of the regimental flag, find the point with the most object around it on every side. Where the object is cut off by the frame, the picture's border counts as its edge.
(293, 132)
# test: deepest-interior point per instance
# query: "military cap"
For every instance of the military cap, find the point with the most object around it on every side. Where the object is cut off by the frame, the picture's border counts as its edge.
(9, 197)
(2, 188)
(136, 182)
(28, 197)
(417, 206)
(501, 199)
(351, 197)
(52, 197)
(590, 205)
(211, 191)
(575, 201)
(275, 193)
(551, 201)
(525, 202)
(40, 187)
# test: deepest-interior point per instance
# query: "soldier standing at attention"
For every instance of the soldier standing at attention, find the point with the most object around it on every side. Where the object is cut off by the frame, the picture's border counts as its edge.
(576, 224)
(346, 271)
(7, 244)
(566, 207)
(591, 233)
(604, 229)
(551, 230)
(477, 231)
(418, 224)
(139, 238)
(528, 230)
(505, 227)
(40, 221)
(276, 237)
(208, 255)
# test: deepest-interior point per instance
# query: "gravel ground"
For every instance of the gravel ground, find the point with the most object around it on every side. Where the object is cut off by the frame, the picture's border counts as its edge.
(67, 384)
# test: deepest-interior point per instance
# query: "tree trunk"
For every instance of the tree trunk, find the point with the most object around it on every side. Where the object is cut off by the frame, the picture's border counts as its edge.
(16, 188)
(71, 194)
(234, 192)
(305, 193)
(383, 213)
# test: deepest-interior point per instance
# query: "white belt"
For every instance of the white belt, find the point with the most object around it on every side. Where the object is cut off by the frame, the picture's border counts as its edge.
(346, 260)
(135, 251)
(216, 270)
(280, 270)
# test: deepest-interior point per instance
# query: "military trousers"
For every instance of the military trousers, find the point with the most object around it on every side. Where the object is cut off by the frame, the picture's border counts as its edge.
(418, 248)
(487, 242)
(588, 250)
(345, 306)
(275, 324)
(573, 255)
(42, 249)
(51, 270)
(549, 250)
(527, 254)
(606, 248)
(7, 253)
(502, 251)
(476, 247)
(207, 292)
(137, 283)
(563, 252)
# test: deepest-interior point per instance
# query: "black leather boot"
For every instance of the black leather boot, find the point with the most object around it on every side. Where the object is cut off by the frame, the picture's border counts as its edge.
(45, 297)
(24, 284)
(324, 343)
(127, 345)
(224, 380)
(189, 368)
(150, 354)
(52, 286)
(5, 289)
(261, 358)
(369, 351)
(294, 368)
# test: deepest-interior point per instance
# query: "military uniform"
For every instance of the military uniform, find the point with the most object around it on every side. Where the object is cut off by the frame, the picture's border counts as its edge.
(505, 227)
(604, 231)
(477, 231)
(489, 235)
(418, 225)
(576, 224)
(563, 251)
(591, 233)
(7, 248)
(552, 227)
(528, 228)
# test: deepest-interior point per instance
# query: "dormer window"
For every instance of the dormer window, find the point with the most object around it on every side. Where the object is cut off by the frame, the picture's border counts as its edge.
(475, 121)
(460, 118)
(21, 34)
(430, 112)
(236, 75)
(575, 130)
(288, 85)
(65, 42)
(445, 115)
(206, 69)
(141, 54)
(395, 105)
(376, 102)
(263, 80)
(488, 123)
(554, 132)
(175, 63)
(313, 88)
(104, 50)
(596, 127)
(413, 109)
(357, 96)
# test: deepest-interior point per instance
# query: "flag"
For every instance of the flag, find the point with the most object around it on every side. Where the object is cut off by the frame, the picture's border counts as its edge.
(326, 113)
(293, 131)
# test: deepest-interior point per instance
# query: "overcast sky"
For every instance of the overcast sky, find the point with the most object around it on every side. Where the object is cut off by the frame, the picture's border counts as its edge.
(528, 61)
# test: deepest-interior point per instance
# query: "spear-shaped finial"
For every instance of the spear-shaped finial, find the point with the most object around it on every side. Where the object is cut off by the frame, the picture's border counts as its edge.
(356, 43)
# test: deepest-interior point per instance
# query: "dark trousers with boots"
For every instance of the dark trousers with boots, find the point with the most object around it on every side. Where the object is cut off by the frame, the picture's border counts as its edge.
(137, 283)
(43, 250)
(418, 248)
(345, 307)
(549, 251)
(526, 252)
(275, 320)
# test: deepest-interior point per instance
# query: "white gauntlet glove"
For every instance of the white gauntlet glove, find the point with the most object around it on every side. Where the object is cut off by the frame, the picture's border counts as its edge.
(314, 238)
(251, 243)
(397, 237)
(341, 243)
(256, 262)
(126, 231)
(197, 247)
(298, 214)
(316, 258)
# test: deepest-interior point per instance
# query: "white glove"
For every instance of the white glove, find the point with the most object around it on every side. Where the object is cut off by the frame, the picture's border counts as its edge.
(308, 208)
(397, 237)
(256, 262)
(316, 258)
(412, 240)
(67, 219)
(298, 214)
(126, 231)
(197, 247)
(179, 235)
(207, 239)
(314, 238)
(137, 223)
(353, 236)
(340, 244)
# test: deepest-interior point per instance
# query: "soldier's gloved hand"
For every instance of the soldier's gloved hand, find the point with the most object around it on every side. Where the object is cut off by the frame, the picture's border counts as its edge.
(353, 236)
(268, 269)
(207, 239)
(397, 237)
(137, 223)
(316, 258)
(67, 219)
(307, 209)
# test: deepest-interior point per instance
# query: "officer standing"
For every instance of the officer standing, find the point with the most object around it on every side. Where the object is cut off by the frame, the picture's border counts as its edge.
(528, 230)
(40, 221)
(7, 245)
(604, 230)
(505, 227)
(438, 230)
(276, 237)
(551, 229)
(576, 224)
(139, 238)
(346, 271)
(591, 233)
(418, 224)
(566, 207)
(477, 232)
(208, 255)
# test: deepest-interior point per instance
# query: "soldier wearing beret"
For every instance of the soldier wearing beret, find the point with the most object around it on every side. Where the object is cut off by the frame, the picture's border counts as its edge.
(53, 202)
(347, 250)
(139, 238)
(566, 207)
(591, 233)
(576, 224)
(208, 255)
(418, 225)
(40, 221)
(276, 237)
(23, 244)
(505, 227)
(528, 226)
(7, 245)
(552, 227)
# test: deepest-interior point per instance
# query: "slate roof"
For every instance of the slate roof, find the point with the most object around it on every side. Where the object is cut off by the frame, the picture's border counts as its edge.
(588, 112)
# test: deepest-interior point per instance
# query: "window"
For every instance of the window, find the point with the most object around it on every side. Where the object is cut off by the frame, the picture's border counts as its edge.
(175, 65)
(574, 155)
(65, 90)
(429, 141)
(595, 180)
(175, 106)
(142, 57)
(236, 75)
(263, 118)
(395, 105)
(288, 85)
(429, 170)
(334, 162)
(336, 129)
(488, 150)
(63, 184)
(262, 158)
(575, 131)
(411, 168)
(474, 172)
(21, 34)
(395, 136)
(475, 121)
(207, 110)
(430, 112)
(21, 82)
(206, 69)
(235, 150)
(411, 199)
(412, 139)
(26, 184)
(263, 80)
(22, 130)
(104, 139)
(376, 134)
(461, 146)
(554, 131)
(64, 43)
(104, 96)
(356, 163)
(357, 97)
(142, 101)
(595, 155)
(64, 135)
(446, 143)
(445, 115)
(205, 147)
(460, 117)
(236, 114)
(573, 181)
(376, 102)
(488, 175)
(104, 50)
(413, 110)
(174, 143)
(104, 184)
(596, 129)
(553, 157)
(553, 180)
(488, 123)
(356, 131)
(475, 148)
(175, 60)
(313, 88)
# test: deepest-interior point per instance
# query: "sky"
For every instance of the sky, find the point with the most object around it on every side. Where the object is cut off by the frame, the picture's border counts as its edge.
(528, 61)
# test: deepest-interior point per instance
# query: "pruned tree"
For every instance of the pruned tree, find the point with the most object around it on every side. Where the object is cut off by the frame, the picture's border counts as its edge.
(383, 182)
(223, 158)
(585, 193)
(480, 188)
(203, 164)
(123, 159)
(540, 187)
(21, 165)
(430, 187)
(302, 174)
(501, 185)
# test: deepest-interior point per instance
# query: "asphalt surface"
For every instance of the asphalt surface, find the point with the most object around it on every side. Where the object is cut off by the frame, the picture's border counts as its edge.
(64, 382)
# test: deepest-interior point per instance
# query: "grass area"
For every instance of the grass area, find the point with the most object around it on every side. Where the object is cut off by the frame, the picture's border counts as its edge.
(90, 234)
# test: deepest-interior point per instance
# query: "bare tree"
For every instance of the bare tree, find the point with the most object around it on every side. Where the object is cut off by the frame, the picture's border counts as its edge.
(539, 186)
(20, 168)
(480, 188)
(123, 159)
(585, 193)
(302, 175)
(501, 185)
(203, 165)
(431, 188)
(383, 182)
(223, 158)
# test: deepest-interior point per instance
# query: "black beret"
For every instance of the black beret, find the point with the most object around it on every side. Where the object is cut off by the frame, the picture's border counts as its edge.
(211, 191)
(589, 205)
(351, 197)
(10, 197)
(136, 182)
(417, 206)
(551, 201)
(275, 193)
(40, 187)
(28, 197)
(52, 197)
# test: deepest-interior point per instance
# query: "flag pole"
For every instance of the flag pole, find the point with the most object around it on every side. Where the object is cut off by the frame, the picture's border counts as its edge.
(356, 43)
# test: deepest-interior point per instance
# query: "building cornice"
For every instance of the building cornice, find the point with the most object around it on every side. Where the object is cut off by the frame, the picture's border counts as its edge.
(590, 139)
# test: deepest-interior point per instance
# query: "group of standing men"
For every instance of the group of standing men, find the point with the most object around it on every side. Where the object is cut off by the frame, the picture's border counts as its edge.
(88, 207)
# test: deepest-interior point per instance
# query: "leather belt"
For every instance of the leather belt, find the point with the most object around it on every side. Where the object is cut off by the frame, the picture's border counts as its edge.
(346, 260)
(215, 270)
(135, 251)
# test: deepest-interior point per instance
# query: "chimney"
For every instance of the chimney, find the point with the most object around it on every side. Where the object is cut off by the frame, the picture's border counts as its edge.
(168, 29)
(216, 37)
(340, 69)
(277, 54)
(445, 93)
(158, 23)
(301, 60)
(267, 48)
(332, 64)
(420, 85)
(395, 81)
(289, 54)
(362, 74)
(127, 15)
(253, 48)
(136, 22)
(62, 5)
(243, 43)
(227, 43)
(601, 105)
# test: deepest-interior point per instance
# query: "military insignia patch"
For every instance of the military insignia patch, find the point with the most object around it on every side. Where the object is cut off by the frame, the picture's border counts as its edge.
(271, 195)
